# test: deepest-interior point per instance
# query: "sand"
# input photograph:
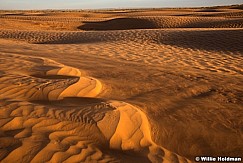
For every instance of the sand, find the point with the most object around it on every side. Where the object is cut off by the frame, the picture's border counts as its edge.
(154, 85)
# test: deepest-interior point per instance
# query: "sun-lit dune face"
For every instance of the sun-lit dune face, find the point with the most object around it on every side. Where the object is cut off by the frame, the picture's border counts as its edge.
(154, 85)
(38, 133)
(28, 80)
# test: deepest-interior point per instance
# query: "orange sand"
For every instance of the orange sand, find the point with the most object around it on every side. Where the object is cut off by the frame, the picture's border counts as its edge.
(160, 85)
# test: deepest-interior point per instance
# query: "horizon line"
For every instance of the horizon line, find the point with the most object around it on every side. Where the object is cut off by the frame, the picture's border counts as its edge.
(124, 8)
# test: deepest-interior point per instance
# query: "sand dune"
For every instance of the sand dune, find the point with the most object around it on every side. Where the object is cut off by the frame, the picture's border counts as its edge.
(71, 134)
(77, 134)
(206, 48)
(163, 22)
(155, 85)
(208, 39)
(124, 23)
(28, 84)
(127, 19)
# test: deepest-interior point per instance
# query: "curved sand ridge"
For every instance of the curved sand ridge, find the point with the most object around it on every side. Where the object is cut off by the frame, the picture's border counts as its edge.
(67, 131)
(26, 80)
(156, 22)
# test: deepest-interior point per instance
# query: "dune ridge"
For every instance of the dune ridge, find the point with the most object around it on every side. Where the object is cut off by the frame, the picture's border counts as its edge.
(227, 38)
(16, 85)
(97, 20)
(158, 22)
(72, 133)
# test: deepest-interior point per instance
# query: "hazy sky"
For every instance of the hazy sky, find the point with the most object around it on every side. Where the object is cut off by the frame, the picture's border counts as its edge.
(94, 4)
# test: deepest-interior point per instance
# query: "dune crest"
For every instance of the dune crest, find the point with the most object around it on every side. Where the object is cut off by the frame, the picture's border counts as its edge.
(43, 79)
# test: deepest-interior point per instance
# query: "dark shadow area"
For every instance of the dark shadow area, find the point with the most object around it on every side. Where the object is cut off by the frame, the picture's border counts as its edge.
(125, 155)
(182, 15)
(54, 76)
(216, 40)
(13, 14)
(71, 101)
(215, 24)
(240, 7)
(116, 12)
(36, 14)
(10, 145)
(23, 14)
(209, 10)
(118, 24)
(2, 73)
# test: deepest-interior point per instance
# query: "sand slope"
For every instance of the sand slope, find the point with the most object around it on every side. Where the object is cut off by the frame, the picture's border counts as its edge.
(206, 48)
(39, 133)
(29, 83)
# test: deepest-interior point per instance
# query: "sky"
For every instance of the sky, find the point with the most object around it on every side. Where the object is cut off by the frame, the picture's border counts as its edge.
(99, 4)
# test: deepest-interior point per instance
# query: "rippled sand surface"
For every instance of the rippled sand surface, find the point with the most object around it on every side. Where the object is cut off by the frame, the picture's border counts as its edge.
(161, 85)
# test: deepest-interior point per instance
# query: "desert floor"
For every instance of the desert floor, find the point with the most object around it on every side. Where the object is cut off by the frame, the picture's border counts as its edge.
(148, 85)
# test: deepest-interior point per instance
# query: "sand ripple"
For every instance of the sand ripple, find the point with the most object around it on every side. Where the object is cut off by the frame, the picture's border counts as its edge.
(186, 74)
(32, 130)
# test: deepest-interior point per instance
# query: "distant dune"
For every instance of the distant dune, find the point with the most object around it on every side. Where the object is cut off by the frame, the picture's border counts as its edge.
(145, 85)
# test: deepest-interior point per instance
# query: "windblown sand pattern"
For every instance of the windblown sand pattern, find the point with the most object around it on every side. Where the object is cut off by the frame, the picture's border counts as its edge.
(29, 83)
(159, 85)
(71, 133)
